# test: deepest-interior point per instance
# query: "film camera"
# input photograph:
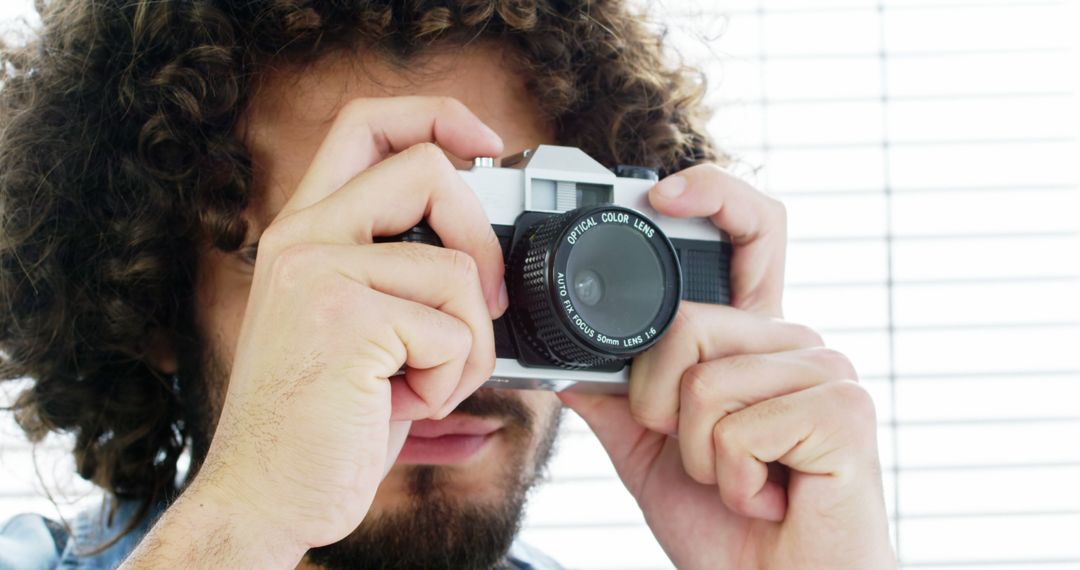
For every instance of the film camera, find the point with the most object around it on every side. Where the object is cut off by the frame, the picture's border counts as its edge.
(595, 274)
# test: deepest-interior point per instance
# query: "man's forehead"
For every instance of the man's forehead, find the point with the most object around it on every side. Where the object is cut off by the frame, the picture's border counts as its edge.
(293, 109)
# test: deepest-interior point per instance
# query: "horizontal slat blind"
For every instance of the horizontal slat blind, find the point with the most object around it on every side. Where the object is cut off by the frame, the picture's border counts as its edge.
(927, 152)
(927, 155)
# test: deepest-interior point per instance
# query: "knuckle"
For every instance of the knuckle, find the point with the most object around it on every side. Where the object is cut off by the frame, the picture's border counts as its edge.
(454, 337)
(805, 336)
(353, 108)
(855, 401)
(699, 385)
(428, 155)
(280, 234)
(700, 471)
(686, 324)
(738, 500)
(778, 209)
(648, 416)
(835, 363)
(294, 265)
(358, 111)
(375, 355)
(464, 338)
(724, 435)
(462, 266)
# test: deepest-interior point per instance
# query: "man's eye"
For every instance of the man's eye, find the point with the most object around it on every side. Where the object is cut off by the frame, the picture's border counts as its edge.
(249, 253)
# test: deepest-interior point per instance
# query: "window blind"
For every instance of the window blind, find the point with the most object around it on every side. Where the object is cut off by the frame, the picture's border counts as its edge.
(927, 153)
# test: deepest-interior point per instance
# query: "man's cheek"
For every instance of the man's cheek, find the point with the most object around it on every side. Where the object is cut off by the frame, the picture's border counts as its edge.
(221, 297)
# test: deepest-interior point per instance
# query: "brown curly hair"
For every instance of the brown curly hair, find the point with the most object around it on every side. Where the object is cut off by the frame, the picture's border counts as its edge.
(119, 154)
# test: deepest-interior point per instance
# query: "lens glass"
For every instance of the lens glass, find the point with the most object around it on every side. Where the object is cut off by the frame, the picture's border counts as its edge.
(616, 280)
(588, 286)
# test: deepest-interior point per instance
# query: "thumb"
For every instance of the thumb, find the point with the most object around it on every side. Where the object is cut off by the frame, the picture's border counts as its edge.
(609, 418)
(398, 433)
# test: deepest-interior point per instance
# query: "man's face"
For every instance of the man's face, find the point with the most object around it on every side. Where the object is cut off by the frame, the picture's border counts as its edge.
(467, 509)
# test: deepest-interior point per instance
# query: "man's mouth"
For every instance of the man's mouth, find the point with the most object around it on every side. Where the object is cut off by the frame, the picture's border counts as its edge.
(452, 440)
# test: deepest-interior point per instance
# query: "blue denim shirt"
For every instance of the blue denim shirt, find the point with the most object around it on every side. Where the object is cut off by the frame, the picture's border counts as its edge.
(32, 542)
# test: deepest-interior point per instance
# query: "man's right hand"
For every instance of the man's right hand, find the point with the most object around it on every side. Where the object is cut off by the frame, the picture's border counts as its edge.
(312, 420)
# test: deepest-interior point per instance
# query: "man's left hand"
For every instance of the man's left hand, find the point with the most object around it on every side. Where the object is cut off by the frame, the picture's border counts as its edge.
(746, 443)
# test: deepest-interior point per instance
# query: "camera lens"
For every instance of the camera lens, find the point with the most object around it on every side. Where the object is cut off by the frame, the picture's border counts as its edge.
(621, 256)
(588, 286)
(593, 285)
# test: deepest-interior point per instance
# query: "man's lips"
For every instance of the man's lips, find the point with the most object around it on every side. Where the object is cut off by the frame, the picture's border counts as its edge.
(454, 424)
(448, 441)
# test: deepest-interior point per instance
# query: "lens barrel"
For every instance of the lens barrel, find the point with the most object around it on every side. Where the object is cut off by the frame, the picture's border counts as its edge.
(593, 285)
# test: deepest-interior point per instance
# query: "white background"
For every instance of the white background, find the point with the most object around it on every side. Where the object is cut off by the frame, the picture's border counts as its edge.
(927, 153)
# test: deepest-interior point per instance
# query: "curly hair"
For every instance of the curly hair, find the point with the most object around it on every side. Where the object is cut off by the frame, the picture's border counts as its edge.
(119, 155)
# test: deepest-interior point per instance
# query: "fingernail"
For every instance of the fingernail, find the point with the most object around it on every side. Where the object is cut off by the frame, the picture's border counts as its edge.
(671, 187)
(504, 297)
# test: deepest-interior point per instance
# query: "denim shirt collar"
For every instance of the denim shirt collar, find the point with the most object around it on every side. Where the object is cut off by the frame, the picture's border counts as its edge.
(92, 528)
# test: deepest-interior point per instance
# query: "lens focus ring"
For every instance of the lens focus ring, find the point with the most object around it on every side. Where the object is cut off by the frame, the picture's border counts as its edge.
(532, 306)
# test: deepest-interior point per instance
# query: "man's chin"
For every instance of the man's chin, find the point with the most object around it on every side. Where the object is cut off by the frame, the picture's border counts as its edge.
(431, 527)
(407, 487)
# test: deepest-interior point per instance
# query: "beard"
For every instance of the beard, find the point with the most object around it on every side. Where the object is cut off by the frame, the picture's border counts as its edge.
(435, 528)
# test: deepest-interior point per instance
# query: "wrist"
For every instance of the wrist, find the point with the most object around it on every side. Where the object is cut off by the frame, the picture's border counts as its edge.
(205, 528)
(247, 522)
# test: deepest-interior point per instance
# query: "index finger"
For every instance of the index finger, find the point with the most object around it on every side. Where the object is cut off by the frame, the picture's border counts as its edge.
(393, 196)
(756, 223)
(367, 130)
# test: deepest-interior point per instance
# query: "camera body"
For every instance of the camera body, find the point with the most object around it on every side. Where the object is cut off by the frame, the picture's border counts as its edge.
(595, 274)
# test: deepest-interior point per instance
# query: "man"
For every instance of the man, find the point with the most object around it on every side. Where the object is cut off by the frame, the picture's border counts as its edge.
(191, 195)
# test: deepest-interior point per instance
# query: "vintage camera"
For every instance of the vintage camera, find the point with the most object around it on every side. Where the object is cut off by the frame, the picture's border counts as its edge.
(595, 274)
